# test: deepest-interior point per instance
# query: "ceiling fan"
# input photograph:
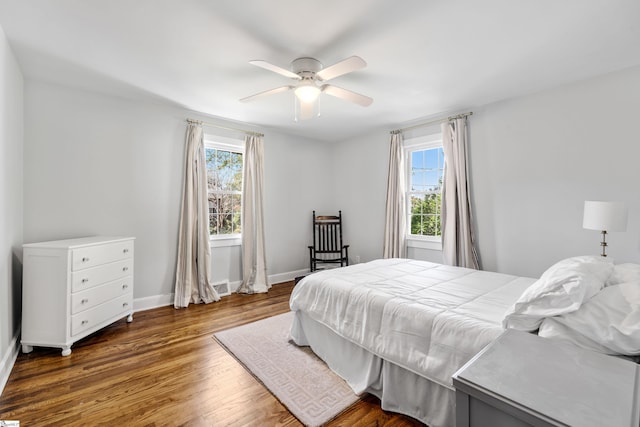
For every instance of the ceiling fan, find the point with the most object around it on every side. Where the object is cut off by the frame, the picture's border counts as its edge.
(310, 78)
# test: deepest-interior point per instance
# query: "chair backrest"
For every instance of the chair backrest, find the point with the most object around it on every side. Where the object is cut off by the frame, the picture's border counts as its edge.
(327, 233)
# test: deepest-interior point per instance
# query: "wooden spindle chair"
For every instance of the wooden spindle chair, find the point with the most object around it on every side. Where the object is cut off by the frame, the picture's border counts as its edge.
(327, 242)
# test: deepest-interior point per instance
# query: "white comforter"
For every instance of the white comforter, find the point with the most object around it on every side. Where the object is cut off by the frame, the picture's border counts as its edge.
(425, 317)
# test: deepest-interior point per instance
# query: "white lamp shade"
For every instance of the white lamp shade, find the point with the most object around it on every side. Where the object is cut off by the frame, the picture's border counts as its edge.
(605, 216)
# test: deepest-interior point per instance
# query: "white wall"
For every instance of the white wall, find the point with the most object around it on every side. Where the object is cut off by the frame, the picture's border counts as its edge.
(101, 165)
(96, 164)
(298, 179)
(534, 161)
(360, 180)
(11, 142)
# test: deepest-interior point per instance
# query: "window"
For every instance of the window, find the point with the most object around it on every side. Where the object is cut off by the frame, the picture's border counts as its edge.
(224, 182)
(425, 166)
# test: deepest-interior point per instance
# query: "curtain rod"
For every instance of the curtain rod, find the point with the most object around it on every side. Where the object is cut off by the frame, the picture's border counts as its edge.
(248, 132)
(457, 116)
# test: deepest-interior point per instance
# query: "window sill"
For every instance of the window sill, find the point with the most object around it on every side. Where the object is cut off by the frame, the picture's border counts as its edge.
(424, 243)
(222, 242)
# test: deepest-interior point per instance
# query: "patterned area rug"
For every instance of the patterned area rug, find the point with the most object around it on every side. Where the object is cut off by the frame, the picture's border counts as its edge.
(296, 376)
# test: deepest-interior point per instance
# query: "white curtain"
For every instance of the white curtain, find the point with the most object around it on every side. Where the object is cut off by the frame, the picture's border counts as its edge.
(457, 230)
(254, 259)
(395, 212)
(193, 271)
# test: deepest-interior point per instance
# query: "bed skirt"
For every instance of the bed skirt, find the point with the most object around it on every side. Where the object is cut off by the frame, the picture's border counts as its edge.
(398, 389)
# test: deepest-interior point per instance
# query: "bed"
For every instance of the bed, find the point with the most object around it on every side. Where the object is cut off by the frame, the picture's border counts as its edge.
(399, 329)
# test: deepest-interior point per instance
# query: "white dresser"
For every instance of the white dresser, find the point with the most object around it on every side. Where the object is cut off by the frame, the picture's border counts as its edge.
(71, 288)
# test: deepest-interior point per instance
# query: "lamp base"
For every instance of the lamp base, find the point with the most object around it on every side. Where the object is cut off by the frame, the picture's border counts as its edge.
(604, 243)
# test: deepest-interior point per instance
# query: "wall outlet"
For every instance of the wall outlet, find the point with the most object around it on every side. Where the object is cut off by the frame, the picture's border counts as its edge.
(357, 259)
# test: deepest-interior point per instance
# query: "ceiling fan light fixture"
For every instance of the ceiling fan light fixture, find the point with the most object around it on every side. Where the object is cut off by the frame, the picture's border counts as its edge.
(303, 111)
(307, 91)
(311, 78)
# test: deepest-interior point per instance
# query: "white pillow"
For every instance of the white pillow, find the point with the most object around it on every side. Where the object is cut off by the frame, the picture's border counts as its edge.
(609, 322)
(623, 273)
(555, 328)
(561, 289)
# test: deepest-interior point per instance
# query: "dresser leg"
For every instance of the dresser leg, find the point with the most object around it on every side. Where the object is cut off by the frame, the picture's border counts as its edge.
(27, 348)
(130, 318)
(66, 351)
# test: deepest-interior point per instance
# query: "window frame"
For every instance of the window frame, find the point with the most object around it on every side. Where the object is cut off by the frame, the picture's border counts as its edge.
(424, 142)
(235, 146)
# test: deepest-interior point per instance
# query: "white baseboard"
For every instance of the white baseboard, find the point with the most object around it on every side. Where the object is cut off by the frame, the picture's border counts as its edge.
(286, 277)
(275, 278)
(147, 303)
(8, 360)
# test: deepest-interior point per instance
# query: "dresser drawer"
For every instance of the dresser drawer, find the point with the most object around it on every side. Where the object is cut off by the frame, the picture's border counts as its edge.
(97, 315)
(90, 277)
(92, 297)
(92, 256)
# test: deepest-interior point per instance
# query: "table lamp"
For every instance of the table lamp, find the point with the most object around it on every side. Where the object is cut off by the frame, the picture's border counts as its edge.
(605, 216)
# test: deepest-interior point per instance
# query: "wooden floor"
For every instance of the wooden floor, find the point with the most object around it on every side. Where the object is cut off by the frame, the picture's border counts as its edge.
(163, 369)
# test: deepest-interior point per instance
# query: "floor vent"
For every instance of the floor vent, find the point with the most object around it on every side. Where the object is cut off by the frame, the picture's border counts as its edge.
(222, 288)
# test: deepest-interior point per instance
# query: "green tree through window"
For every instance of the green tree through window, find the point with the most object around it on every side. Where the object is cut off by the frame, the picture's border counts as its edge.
(425, 191)
(425, 215)
(224, 181)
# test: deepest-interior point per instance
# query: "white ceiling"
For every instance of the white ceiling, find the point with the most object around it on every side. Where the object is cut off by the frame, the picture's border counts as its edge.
(425, 57)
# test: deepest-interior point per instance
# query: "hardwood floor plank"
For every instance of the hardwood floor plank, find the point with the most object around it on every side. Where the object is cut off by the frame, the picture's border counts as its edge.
(163, 369)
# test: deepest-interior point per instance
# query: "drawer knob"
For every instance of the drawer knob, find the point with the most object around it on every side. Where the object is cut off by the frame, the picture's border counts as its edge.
(85, 259)
(84, 301)
(124, 251)
(125, 304)
(85, 280)
(125, 268)
(84, 322)
(125, 286)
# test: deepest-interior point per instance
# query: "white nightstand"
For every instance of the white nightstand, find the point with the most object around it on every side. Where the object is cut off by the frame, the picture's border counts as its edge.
(521, 380)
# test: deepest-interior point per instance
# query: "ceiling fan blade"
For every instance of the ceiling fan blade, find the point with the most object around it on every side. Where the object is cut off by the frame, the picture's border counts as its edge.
(269, 66)
(348, 95)
(345, 66)
(267, 92)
